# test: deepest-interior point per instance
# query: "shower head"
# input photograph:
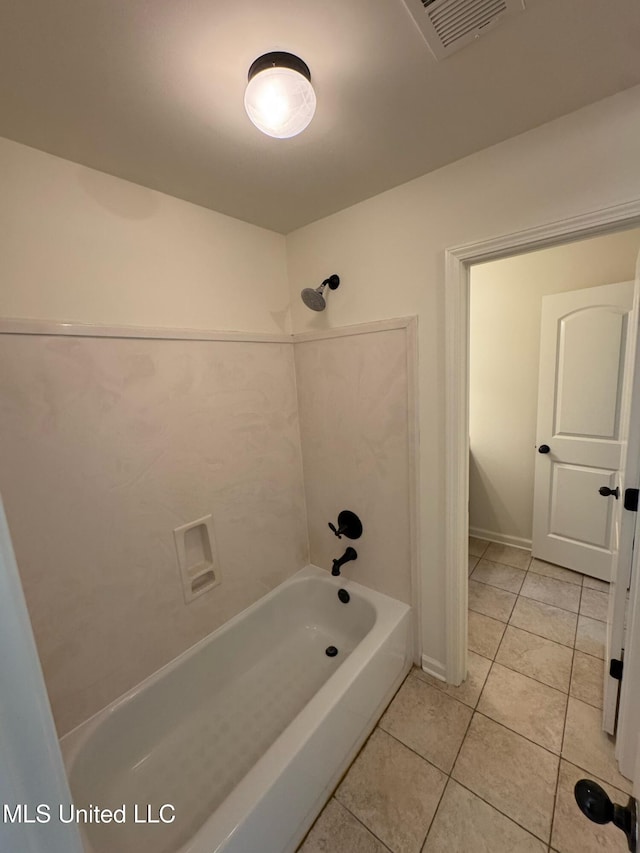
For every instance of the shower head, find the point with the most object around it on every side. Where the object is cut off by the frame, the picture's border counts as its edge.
(314, 299)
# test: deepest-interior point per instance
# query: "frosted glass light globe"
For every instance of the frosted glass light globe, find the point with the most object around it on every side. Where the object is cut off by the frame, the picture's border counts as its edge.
(280, 102)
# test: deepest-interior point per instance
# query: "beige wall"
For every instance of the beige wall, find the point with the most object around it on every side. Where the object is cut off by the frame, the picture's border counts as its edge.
(107, 446)
(79, 245)
(353, 395)
(506, 302)
(389, 251)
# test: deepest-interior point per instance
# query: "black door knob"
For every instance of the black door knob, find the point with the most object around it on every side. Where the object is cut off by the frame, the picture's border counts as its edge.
(594, 802)
(606, 492)
(544, 448)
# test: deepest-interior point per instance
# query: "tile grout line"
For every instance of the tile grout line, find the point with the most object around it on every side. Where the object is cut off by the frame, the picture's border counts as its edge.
(557, 606)
(532, 677)
(449, 775)
(355, 817)
(446, 774)
(437, 808)
(453, 764)
(520, 594)
(475, 711)
(568, 694)
(494, 661)
(519, 734)
(564, 727)
(411, 749)
(542, 637)
(504, 814)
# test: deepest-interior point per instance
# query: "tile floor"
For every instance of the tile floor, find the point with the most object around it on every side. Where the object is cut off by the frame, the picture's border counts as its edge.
(490, 765)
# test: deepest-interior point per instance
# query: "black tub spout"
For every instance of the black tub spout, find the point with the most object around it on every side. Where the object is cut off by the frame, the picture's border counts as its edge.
(349, 554)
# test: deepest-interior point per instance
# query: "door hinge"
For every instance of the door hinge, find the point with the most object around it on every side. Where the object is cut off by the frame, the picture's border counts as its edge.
(615, 669)
(631, 500)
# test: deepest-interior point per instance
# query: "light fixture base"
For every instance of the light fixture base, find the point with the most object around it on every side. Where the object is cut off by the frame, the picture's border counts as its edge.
(279, 59)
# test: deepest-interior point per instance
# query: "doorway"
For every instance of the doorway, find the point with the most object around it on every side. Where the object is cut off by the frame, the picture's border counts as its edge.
(506, 301)
(551, 355)
(459, 263)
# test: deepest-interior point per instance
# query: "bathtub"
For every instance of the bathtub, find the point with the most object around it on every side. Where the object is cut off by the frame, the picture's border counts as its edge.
(244, 736)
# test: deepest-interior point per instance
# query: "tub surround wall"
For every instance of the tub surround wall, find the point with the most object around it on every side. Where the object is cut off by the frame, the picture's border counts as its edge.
(354, 407)
(107, 446)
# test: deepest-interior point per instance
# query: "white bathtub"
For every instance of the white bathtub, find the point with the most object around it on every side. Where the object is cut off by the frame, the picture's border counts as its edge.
(247, 733)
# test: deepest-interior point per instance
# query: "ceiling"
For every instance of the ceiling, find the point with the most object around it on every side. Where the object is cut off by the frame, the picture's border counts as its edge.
(152, 91)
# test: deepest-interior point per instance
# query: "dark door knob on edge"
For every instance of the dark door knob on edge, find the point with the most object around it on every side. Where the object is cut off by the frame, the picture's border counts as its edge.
(595, 804)
(544, 448)
(606, 492)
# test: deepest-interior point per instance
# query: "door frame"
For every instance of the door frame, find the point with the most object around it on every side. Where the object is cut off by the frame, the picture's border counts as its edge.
(627, 748)
(458, 260)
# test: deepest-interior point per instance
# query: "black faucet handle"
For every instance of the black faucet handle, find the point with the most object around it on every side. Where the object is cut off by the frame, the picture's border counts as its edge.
(338, 531)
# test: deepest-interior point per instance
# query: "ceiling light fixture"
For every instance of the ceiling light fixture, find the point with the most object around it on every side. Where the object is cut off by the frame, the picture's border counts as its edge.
(279, 98)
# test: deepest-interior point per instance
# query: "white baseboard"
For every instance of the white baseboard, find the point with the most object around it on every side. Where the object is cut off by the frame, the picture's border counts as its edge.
(433, 667)
(501, 538)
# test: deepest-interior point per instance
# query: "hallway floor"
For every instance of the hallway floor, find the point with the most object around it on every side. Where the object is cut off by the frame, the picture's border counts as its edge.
(491, 765)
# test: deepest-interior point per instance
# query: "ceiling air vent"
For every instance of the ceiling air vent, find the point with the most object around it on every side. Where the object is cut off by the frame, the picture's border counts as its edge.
(448, 25)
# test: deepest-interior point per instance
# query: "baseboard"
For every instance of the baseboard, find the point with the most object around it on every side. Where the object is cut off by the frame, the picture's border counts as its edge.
(433, 667)
(501, 538)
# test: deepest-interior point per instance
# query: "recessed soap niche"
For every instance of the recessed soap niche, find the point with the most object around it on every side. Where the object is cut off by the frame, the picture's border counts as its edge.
(195, 548)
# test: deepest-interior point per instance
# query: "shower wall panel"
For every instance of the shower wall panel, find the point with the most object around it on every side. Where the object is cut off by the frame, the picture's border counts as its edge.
(106, 446)
(354, 408)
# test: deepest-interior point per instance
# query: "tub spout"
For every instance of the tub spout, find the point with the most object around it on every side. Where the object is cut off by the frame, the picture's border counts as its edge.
(349, 554)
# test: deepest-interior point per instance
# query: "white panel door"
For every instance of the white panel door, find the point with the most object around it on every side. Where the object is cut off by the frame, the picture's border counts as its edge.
(583, 420)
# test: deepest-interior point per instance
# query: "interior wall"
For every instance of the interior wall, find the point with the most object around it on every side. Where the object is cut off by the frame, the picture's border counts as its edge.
(389, 252)
(505, 311)
(107, 446)
(353, 395)
(79, 245)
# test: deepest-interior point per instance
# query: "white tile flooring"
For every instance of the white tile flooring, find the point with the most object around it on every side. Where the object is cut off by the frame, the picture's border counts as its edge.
(491, 765)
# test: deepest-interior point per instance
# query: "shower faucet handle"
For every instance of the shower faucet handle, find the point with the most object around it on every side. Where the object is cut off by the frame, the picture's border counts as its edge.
(349, 525)
(338, 532)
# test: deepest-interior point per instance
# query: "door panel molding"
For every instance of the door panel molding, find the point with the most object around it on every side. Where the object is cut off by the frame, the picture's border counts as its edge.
(581, 386)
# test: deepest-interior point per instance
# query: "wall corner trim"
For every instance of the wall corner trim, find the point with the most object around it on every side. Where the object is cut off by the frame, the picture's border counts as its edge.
(20, 326)
(31, 326)
(359, 329)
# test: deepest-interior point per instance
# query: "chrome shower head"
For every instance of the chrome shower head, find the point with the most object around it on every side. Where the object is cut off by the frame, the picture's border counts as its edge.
(314, 298)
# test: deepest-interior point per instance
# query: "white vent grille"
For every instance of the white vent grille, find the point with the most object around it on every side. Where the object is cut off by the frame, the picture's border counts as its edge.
(448, 25)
